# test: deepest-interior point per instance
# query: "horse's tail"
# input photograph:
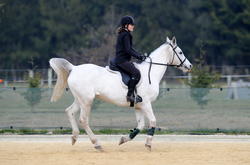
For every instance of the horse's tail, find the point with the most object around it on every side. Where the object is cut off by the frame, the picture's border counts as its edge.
(62, 68)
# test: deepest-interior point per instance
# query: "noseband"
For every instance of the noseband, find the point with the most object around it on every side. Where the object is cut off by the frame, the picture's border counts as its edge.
(171, 64)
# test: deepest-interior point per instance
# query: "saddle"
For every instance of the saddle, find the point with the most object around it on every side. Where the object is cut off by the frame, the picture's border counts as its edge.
(125, 76)
(113, 68)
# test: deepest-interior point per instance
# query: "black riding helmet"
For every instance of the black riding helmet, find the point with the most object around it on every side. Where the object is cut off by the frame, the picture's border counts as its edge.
(127, 20)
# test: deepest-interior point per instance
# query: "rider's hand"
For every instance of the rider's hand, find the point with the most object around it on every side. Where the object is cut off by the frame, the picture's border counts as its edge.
(142, 58)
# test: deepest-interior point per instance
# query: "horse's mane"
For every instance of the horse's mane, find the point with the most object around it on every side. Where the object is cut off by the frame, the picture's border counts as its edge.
(155, 52)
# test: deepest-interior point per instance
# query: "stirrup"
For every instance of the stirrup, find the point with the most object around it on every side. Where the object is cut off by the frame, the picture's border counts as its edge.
(133, 100)
(138, 99)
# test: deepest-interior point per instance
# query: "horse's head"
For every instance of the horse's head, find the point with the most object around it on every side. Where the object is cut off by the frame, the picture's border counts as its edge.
(177, 57)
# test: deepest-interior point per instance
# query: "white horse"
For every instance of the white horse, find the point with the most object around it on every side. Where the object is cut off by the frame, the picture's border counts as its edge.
(88, 81)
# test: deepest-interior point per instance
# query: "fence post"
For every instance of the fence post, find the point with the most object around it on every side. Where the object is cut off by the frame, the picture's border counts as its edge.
(235, 91)
(6, 83)
(50, 78)
(41, 82)
(164, 84)
(31, 73)
(189, 77)
(229, 80)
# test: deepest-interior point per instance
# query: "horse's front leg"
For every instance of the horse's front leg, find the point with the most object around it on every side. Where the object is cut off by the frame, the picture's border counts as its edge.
(148, 111)
(140, 125)
(71, 112)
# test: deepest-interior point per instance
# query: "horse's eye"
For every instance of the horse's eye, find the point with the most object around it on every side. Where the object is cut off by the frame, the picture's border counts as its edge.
(180, 52)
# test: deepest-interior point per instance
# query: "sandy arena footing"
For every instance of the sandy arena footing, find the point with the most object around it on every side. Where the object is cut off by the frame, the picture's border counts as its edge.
(167, 149)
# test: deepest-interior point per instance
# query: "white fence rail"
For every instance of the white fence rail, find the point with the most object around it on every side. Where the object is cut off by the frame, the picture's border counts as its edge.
(173, 78)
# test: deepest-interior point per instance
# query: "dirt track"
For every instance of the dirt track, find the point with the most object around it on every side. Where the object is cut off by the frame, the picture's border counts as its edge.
(132, 153)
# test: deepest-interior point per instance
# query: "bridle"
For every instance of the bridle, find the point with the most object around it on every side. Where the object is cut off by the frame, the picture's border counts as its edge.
(171, 64)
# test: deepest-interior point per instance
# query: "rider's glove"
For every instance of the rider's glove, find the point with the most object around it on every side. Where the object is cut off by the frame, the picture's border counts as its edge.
(141, 58)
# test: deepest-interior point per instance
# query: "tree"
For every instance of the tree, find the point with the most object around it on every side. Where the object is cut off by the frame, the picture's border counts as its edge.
(33, 94)
(104, 38)
(19, 25)
(202, 81)
(230, 42)
(69, 25)
(82, 31)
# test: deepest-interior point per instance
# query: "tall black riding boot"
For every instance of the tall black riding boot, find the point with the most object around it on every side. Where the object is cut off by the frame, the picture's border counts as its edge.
(131, 88)
(131, 94)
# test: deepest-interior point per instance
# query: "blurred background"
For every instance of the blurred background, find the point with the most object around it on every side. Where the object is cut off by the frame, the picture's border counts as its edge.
(214, 35)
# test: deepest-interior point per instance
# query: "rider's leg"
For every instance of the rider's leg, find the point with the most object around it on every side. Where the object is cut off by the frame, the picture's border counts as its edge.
(135, 75)
(131, 88)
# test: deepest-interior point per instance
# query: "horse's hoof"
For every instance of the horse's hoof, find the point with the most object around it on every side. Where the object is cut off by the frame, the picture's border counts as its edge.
(73, 140)
(148, 147)
(123, 140)
(99, 148)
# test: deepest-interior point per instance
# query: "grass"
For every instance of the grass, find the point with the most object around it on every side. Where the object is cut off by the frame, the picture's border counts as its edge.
(62, 131)
(23, 131)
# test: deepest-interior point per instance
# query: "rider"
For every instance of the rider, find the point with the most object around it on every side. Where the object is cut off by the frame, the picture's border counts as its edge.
(124, 51)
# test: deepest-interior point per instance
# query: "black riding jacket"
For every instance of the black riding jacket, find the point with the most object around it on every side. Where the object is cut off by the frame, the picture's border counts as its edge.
(124, 49)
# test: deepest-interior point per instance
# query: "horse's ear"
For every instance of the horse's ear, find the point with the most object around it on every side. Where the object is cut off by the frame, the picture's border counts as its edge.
(174, 41)
(168, 40)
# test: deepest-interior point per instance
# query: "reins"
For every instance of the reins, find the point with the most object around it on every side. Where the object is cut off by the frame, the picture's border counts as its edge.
(156, 63)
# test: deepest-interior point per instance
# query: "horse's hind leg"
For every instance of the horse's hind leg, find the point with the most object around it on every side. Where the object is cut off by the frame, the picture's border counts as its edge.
(84, 121)
(71, 112)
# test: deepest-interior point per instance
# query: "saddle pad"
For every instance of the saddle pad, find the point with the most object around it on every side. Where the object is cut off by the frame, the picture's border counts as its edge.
(125, 77)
